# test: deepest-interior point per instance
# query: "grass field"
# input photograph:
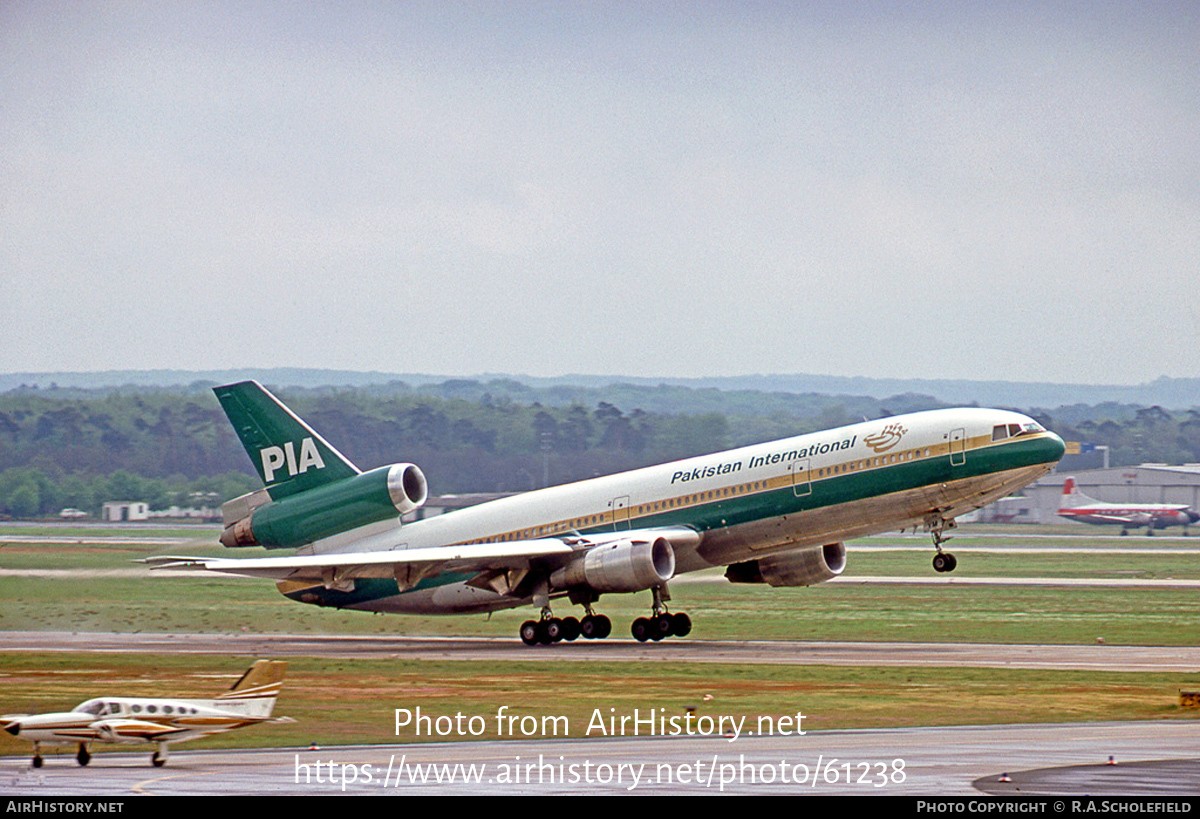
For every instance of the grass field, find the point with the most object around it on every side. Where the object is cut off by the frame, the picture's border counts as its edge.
(334, 702)
(89, 586)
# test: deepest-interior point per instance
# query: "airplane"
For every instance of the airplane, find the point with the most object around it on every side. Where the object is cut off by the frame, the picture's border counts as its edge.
(144, 719)
(1077, 506)
(777, 512)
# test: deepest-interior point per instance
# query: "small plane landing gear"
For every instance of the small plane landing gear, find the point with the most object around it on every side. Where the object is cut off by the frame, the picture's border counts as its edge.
(936, 525)
(159, 757)
(83, 757)
(661, 623)
(37, 755)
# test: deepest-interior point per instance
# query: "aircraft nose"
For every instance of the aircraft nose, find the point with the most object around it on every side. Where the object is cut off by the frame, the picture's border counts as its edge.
(1055, 448)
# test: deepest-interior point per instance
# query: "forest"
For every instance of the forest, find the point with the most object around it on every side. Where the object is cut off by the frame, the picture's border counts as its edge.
(77, 448)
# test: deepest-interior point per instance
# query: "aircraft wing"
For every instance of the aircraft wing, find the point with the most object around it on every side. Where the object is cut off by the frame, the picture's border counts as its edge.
(1113, 518)
(474, 557)
(125, 730)
(471, 557)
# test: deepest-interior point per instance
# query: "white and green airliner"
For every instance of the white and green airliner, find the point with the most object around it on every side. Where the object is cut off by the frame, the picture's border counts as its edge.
(776, 513)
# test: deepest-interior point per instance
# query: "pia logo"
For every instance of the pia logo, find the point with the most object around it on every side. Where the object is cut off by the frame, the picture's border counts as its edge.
(886, 439)
(274, 457)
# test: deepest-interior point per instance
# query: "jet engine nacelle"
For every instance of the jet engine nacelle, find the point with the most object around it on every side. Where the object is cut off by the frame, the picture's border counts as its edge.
(800, 567)
(620, 566)
(370, 497)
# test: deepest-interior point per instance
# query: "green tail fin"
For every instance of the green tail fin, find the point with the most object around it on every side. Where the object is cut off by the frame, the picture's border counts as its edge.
(289, 456)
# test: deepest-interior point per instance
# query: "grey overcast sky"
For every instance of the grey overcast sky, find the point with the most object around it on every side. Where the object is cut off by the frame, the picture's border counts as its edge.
(934, 190)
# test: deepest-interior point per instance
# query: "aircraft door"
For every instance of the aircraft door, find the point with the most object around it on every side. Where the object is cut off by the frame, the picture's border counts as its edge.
(958, 447)
(801, 477)
(620, 513)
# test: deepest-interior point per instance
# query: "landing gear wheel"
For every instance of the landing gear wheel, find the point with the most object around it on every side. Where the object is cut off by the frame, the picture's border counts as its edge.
(158, 760)
(38, 762)
(944, 562)
(595, 627)
(83, 757)
(664, 626)
(681, 624)
(641, 629)
(570, 629)
(530, 633)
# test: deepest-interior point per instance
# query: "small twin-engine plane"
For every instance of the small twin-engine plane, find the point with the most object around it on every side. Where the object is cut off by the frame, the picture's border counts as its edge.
(776, 513)
(145, 719)
(1077, 506)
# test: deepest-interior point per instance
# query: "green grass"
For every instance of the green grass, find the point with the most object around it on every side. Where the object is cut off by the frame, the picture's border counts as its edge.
(345, 701)
(354, 701)
(839, 612)
(136, 600)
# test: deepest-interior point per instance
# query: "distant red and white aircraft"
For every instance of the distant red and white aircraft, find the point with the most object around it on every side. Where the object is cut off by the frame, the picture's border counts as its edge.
(1077, 506)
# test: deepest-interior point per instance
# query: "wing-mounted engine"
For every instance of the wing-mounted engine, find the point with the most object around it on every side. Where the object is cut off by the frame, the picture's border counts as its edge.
(629, 564)
(381, 494)
(1180, 517)
(800, 567)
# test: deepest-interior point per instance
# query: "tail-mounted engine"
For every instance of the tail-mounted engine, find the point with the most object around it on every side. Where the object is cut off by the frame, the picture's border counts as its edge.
(800, 567)
(370, 497)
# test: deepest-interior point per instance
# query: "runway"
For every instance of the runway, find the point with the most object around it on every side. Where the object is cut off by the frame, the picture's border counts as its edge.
(1090, 657)
(918, 761)
(1154, 758)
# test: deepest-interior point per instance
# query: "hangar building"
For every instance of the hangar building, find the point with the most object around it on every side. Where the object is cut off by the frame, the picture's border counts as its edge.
(1148, 483)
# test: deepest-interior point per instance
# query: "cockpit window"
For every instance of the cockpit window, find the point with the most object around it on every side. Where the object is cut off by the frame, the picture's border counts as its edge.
(93, 707)
(1000, 432)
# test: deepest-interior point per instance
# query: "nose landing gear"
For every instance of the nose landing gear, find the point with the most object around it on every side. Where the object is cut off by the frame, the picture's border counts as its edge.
(937, 525)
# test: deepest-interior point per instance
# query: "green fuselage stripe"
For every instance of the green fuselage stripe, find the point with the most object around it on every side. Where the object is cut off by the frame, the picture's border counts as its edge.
(730, 511)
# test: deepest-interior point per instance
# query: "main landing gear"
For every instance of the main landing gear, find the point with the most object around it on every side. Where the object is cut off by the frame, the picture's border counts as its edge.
(661, 623)
(551, 629)
(936, 525)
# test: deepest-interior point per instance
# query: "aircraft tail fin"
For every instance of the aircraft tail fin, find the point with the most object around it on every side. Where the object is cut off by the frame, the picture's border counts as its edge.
(1072, 497)
(260, 685)
(289, 455)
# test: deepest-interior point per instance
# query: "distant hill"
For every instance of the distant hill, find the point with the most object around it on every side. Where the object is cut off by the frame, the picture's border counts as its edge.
(1171, 393)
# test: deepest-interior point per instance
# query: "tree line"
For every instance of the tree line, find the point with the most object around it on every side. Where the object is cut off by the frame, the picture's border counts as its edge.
(80, 448)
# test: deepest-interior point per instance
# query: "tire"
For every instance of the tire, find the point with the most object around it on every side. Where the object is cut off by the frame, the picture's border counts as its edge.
(664, 625)
(603, 626)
